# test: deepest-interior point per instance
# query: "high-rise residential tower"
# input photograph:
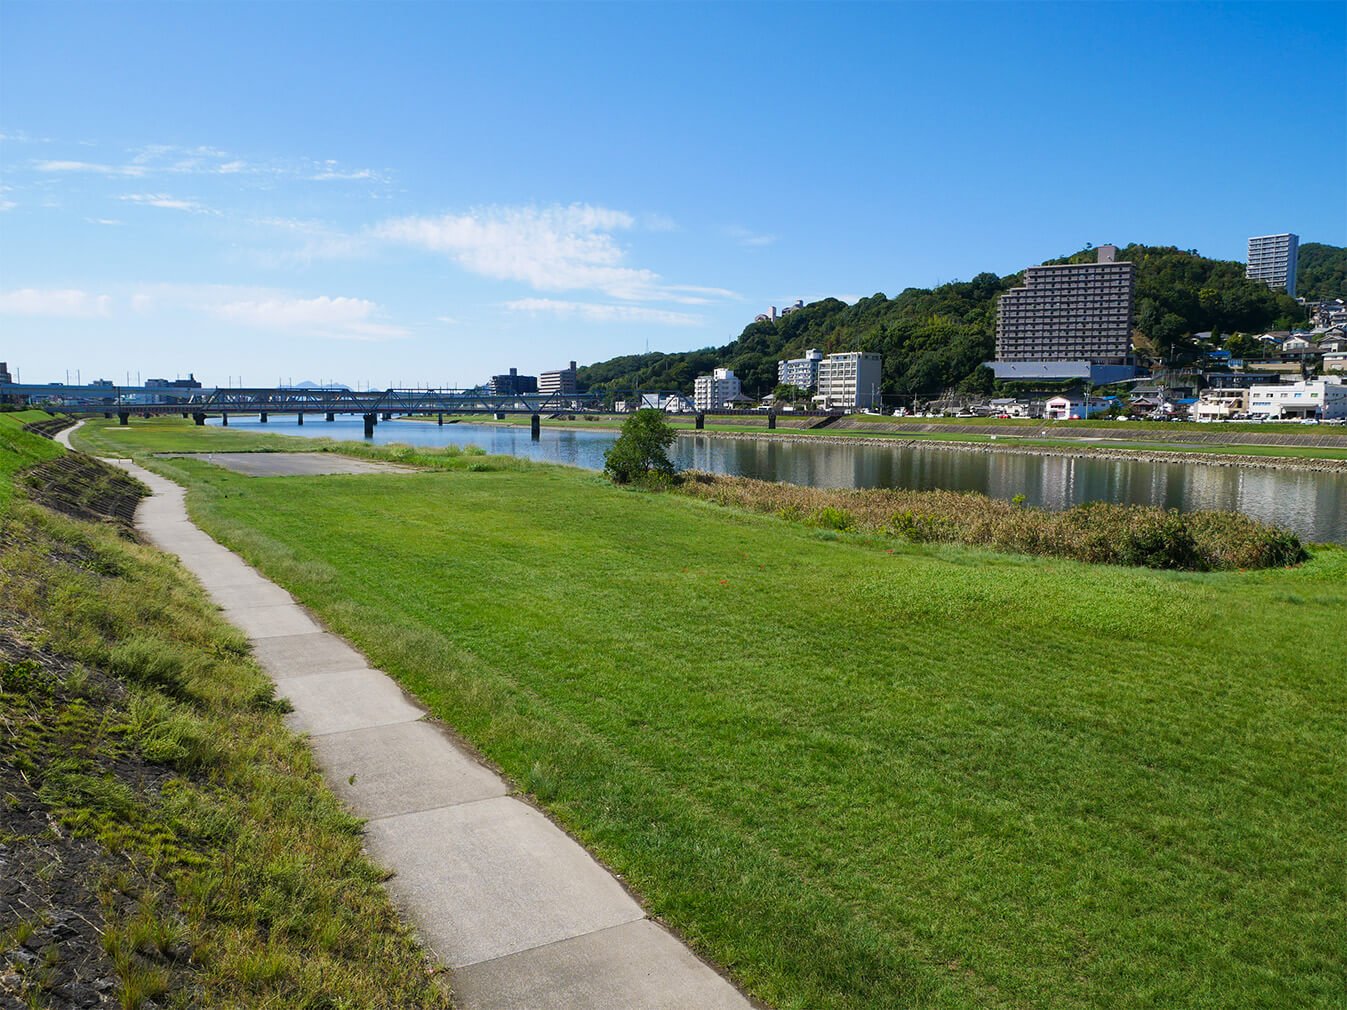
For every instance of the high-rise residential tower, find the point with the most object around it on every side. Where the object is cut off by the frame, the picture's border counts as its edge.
(1068, 320)
(1272, 260)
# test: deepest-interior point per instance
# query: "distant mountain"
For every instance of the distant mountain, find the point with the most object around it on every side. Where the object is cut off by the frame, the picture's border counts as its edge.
(306, 384)
(1321, 272)
(934, 339)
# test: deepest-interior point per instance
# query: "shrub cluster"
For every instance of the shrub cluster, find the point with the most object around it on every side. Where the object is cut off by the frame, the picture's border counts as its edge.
(1096, 532)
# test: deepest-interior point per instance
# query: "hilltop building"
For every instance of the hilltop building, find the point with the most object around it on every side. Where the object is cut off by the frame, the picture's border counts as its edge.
(560, 382)
(801, 373)
(771, 315)
(712, 392)
(513, 384)
(1272, 260)
(1068, 321)
(849, 380)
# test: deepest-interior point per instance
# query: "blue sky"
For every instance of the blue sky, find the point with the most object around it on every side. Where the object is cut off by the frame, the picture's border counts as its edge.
(430, 193)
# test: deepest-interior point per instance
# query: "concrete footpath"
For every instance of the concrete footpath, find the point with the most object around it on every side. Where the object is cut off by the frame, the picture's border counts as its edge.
(523, 915)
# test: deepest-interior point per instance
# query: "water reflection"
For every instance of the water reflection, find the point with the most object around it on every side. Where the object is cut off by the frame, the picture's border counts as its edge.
(1312, 504)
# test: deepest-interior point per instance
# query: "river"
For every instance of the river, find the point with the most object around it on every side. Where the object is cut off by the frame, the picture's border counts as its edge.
(1314, 505)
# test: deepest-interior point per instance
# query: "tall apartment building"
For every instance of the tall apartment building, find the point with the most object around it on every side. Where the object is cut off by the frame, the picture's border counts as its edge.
(800, 372)
(513, 384)
(712, 392)
(1067, 321)
(849, 380)
(1272, 260)
(561, 382)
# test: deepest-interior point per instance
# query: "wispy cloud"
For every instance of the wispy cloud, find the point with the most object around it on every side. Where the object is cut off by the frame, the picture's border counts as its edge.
(166, 201)
(68, 303)
(556, 248)
(594, 312)
(338, 318)
(169, 159)
(747, 238)
(89, 166)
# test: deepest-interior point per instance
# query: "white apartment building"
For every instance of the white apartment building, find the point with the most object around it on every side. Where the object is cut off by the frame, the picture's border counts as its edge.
(1220, 404)
(712, 392)
(1322, 399)
(1272, 260)
(800, 372)
(849, 380)
(561, 382)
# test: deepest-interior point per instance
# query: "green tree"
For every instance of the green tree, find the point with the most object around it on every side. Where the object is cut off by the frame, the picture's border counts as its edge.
(641, 449)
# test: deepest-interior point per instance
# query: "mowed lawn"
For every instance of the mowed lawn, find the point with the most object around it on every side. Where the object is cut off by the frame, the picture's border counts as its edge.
(931, 777)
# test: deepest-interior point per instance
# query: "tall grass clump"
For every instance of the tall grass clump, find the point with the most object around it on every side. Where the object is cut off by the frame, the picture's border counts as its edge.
(1096, 532)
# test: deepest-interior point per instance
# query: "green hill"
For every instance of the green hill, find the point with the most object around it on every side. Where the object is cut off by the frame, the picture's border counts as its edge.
(1321, 272)
(934, 339)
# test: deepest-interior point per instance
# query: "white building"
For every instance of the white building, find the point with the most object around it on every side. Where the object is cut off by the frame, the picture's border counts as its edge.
(800, 372)
(561, 382)
(712, 392)
(1321, 399)
(1064, 408)
(849, 380)
(1272, 260)
(1220, 404)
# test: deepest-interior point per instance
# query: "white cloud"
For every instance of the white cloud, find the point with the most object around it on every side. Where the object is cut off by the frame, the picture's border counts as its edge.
(747, 238)
(103, 220)
(231, 167)
(557, 248)
(598, 313)
(339, 318)
(167, 202)
(7, 205)
(447, 320)
(68, 303)
(88, 166)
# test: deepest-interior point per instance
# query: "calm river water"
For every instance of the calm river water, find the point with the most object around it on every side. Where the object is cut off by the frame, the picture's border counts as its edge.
(1312, 504)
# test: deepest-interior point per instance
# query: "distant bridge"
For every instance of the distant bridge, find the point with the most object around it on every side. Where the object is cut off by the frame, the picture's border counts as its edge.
(372, 404)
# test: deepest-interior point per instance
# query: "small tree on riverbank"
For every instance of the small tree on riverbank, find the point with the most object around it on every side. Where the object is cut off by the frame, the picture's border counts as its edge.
(642, 448)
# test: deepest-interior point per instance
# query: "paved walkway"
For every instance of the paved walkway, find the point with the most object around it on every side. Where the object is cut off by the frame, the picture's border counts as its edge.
(520, 911)
(290, 464)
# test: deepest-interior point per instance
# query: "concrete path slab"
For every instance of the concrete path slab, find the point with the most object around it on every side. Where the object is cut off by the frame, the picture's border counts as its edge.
(402, 769)
(259, 593)
(334, 702)
(527, 918)
(637, 964)
(273, 619)
(501, 875)
(287, 656)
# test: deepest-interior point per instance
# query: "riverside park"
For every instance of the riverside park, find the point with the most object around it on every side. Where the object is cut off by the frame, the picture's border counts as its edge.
(847, 767)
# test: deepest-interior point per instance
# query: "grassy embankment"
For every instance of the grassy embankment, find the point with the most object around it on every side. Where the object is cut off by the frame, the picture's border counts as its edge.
(164, 836)
(1017, 434)
(857, 777)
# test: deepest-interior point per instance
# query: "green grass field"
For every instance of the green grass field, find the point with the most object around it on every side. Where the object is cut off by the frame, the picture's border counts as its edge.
(859, 777)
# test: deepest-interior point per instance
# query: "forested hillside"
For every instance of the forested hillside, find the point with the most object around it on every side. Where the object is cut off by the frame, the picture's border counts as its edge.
(932, 340)
(1321, 272)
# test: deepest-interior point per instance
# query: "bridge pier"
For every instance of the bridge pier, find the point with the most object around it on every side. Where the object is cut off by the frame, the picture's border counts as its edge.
(388, 415)
(499, 415)
(771, 420)
(262, 417)
(439, 419)
(200, 419)
(330, 416)
(224, 419)
(700, 422)
(108, 413)
(299, 418)
(123, 417)
(185, 415)
(370, 421)
(146, 416)
(535, 426)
